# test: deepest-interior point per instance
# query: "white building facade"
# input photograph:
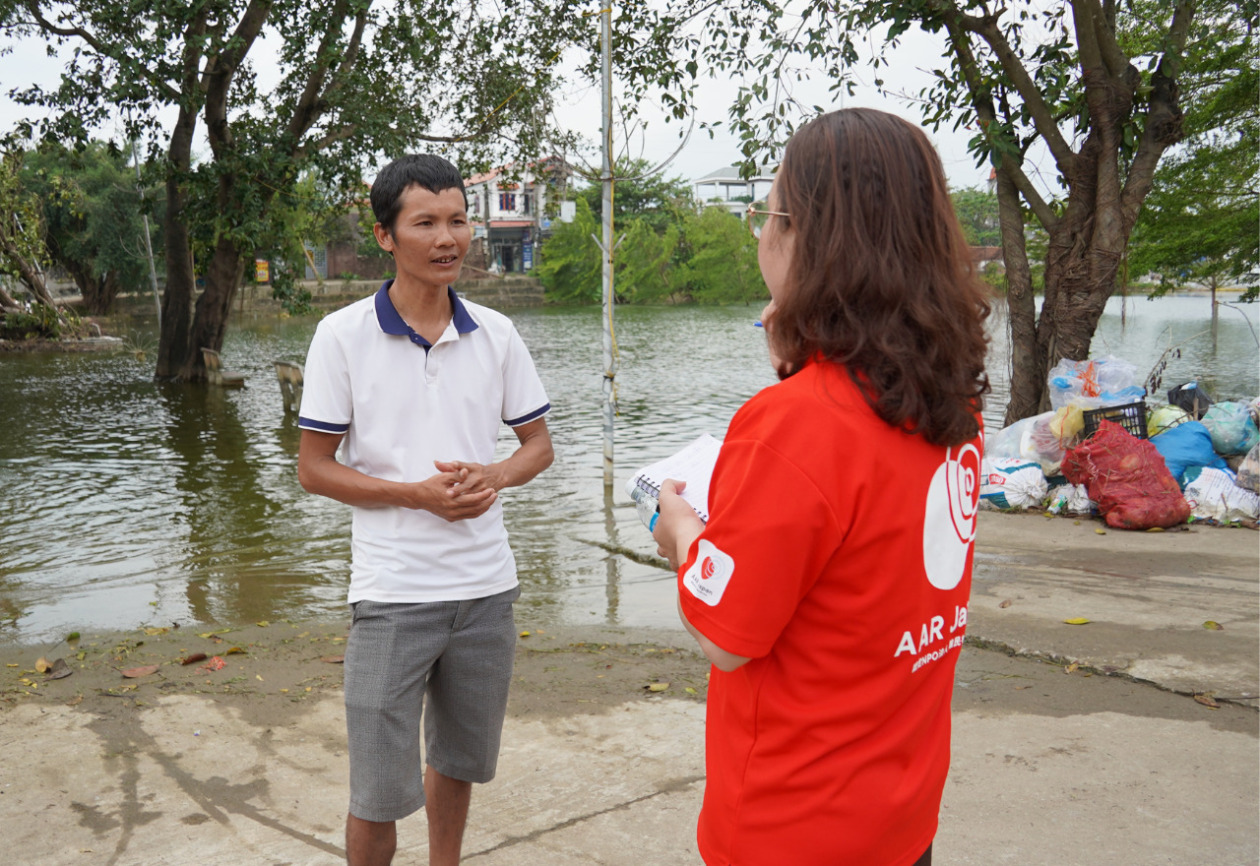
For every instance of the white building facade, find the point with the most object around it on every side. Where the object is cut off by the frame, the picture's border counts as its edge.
(512, 208)
(725, 188)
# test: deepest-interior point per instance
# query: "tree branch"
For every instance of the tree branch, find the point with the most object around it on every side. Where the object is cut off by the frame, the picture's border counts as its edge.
(982, 102)
(350, 57)
(1043, 118)
(1104, 34)
(219, 74)
(100, 47)
(1163, 115)
(308, 107)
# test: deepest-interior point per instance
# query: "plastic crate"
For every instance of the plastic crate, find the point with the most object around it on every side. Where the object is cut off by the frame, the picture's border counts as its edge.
(1130, 416)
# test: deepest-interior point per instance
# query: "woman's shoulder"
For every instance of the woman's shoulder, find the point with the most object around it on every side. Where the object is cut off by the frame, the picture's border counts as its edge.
(820, 398)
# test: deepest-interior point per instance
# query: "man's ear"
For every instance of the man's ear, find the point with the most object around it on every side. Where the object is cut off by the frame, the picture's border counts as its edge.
(384, 237)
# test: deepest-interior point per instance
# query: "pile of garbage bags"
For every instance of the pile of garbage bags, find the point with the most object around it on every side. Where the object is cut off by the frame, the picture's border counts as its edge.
(1099, 451)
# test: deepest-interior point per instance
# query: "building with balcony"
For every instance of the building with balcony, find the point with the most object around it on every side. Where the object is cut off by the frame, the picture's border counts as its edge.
(512, 209)
(725, 188)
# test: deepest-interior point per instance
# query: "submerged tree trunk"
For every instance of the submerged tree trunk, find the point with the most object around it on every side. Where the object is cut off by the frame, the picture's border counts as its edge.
(180, 281)
(98, 293)
(223, 276)
(1021, 305)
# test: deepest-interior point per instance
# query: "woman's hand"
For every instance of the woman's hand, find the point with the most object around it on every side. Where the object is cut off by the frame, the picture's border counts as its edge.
(677, 526)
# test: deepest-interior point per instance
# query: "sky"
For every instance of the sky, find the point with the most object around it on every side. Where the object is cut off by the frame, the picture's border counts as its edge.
(580, 110)
(713, 96)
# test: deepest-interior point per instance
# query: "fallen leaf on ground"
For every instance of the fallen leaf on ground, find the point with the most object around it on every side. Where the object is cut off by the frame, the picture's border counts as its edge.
(1006, 603)
(43, 665)
(74, 635)
(524, 634)
(195, 657)
(215, 664)
(262, 623)
(1072, 668)
(1076, 620)
(1101, 531)
(142, 671)
(656, 687)
(333, 660)
(153, 630)
(233, 650)
(60, 670)
(1207, 701)
(1212, 625)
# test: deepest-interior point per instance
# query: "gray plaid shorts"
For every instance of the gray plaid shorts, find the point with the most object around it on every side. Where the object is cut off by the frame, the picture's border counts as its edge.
(460, 654)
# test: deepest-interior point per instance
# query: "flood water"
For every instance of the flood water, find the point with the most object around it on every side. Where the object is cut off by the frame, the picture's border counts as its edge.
(126, 503)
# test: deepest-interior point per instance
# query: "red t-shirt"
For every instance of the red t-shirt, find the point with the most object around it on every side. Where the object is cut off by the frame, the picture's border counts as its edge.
(838, 558)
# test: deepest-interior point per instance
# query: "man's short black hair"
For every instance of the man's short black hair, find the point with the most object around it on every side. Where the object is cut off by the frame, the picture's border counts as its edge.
(415, 169)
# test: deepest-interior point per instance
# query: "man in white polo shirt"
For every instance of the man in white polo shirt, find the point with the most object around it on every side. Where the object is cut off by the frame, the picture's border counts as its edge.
(411, 385)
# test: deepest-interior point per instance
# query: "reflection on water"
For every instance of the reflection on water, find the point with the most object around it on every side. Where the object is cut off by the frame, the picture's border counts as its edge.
(129, 503)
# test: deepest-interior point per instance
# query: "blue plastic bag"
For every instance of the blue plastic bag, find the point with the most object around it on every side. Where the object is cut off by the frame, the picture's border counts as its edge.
(1186, 445)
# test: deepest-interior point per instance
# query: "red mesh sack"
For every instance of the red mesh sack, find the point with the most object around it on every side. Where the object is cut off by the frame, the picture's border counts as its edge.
(1128, 479)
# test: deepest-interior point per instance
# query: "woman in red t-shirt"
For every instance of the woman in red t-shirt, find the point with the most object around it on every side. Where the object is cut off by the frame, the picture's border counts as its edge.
(829, 588)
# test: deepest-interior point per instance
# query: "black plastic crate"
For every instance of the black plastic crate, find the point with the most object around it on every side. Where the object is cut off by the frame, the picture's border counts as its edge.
(1130, 416)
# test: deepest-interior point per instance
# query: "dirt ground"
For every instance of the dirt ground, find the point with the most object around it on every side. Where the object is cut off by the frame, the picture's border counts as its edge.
(266, 671)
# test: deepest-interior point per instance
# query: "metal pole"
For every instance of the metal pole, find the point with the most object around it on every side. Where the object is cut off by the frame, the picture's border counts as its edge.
(610, 372)
(148, 243)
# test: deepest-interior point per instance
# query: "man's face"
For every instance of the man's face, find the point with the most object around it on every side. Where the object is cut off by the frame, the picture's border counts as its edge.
(430, 236)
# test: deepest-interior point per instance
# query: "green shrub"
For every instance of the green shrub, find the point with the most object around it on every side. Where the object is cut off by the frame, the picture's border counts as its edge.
(40, 322)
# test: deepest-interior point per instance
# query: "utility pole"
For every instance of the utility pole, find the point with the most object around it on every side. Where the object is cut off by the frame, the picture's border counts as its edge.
(610, 361)
(148, 243)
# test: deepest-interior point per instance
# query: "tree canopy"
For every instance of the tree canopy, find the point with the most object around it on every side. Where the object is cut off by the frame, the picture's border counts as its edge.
(1201, 222)
(91, 208)
(977, 211)
(354, 80)
(1096, 84)
(672, 253)
(641, 194)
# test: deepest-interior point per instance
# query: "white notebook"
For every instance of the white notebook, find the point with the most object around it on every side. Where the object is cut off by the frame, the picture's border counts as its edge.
(693, 464)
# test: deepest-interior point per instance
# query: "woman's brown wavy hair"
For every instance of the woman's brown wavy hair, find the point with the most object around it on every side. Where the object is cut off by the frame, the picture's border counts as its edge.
(881, 279)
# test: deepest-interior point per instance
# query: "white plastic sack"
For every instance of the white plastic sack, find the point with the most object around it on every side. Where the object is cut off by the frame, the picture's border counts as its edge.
(1249, 471)
(1070, 499)
(1007, 483)
(1213, 495)
(1004, 444)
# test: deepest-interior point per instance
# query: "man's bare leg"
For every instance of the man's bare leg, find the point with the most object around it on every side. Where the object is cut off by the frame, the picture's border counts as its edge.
(446, 804)
(370, 843)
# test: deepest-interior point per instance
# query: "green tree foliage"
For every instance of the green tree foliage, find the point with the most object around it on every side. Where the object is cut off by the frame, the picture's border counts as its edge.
(92, 218)
(652, 197)
(643, 264)
(1069, 78)
(569, 262)
(354, 79)
(1201, 222)
(977, 211)
(707, 258)
(723, 265)
(23, 253)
